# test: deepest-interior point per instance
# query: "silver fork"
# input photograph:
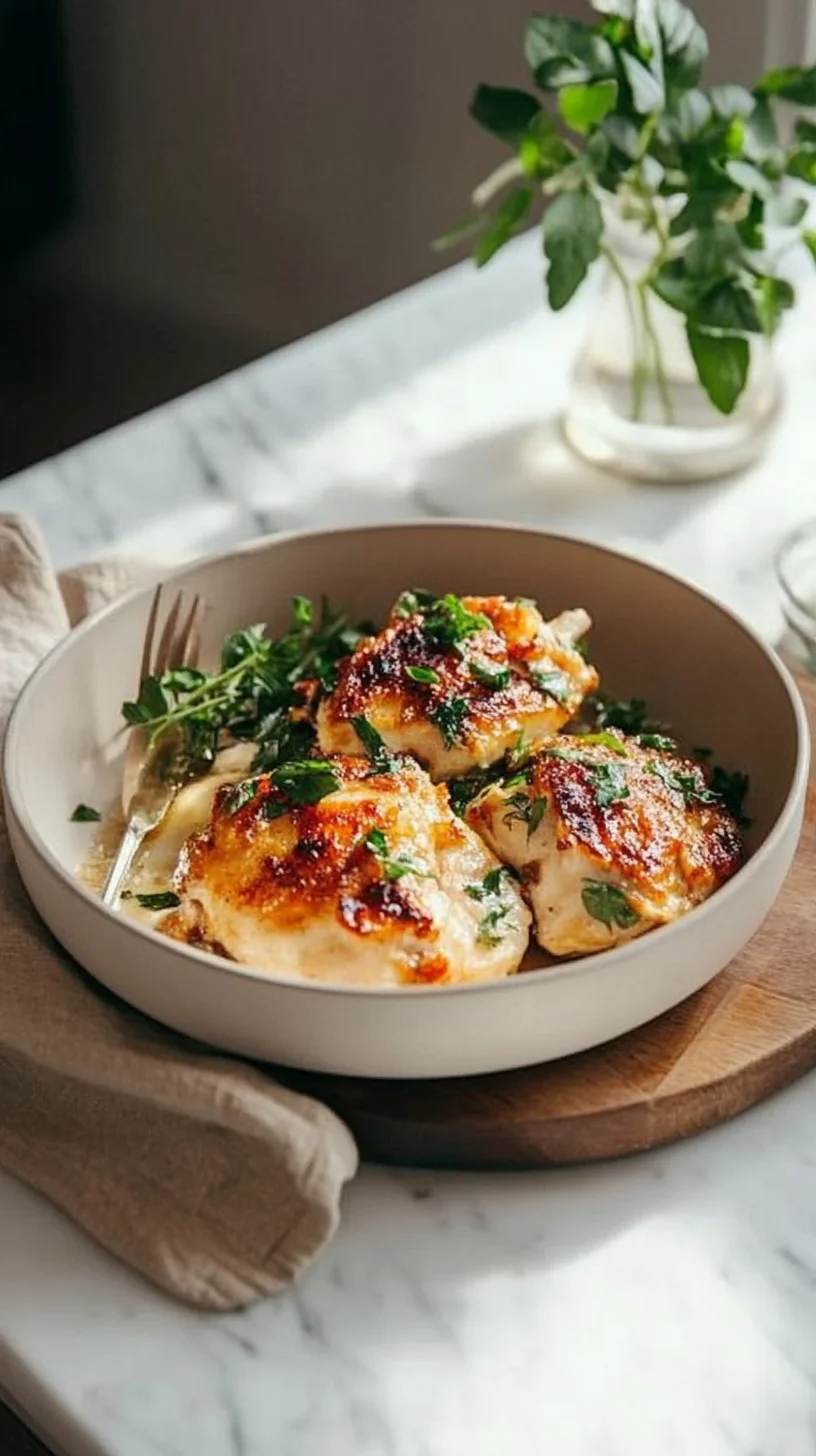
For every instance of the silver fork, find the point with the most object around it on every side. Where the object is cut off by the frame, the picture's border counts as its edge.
(149, 784)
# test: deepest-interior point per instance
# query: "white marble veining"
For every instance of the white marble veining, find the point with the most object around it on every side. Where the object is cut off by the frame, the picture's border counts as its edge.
(660, 1306)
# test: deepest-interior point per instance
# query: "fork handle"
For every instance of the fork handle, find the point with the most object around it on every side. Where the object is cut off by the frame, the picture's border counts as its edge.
(131, 839)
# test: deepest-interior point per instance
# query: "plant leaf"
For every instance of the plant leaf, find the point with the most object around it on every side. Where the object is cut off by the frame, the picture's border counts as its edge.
(699, 212)
(729, 101)
(730, 307)
(802, 163)
(774, 295)
(543, 152)
(685, 44)
(809, 240)
(692, 113)
(504, 223)
(749, 178)
(791, 83)
(624, 9)
(673, 285)
(467, 228)
(584, 106)
(564, 52)
(761, 133)
(711, 252)
(722, 362)
(805, 130)
(624, 135)
(573, 227)
(648, 92)
(503, 111)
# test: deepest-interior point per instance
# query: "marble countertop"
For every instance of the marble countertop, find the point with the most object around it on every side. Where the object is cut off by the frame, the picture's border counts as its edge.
(664, 1304)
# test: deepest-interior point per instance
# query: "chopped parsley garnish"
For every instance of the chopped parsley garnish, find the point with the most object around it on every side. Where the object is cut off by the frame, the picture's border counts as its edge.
(489, 894)
(609, 784)
(84, 814)
(489, 674)
(658, 741)
(463, 790)
(731, 789)
(410, 602)
(525, 810)
(422, 674)
(240, 795)
(381, 759)
(393, 867)
(252, 692)
(554, 685)
(307, 782)
(449, 716)
(608, 904)
(629, 714)
(163, 900)
(605, 740)
(689, 785)
(448, 620)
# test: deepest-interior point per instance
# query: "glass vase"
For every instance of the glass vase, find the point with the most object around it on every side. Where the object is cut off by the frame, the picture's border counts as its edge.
(636, 405)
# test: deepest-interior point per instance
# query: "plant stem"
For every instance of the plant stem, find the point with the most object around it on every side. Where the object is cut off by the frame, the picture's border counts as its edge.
(639, 362)
(661, 378)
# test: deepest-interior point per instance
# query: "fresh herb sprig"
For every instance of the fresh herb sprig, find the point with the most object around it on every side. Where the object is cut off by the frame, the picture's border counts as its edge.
(252, 692)
(394, 866)
(608, 904)
(703, 171)
(489, 893)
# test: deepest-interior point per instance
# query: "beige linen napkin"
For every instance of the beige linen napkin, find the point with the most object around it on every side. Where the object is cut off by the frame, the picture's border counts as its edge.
(202, 1173)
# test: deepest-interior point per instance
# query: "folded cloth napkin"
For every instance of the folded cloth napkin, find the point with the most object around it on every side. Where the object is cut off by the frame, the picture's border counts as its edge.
(202, 1173)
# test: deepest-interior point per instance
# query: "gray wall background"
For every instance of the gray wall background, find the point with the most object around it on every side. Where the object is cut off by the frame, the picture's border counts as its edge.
(278, 164)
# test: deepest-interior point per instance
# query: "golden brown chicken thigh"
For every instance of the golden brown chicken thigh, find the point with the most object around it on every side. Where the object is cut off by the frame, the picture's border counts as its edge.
(455, 681)
(332, 870)
(610, 837)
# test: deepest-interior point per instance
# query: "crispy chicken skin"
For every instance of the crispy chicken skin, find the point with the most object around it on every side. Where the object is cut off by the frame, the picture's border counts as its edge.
(458, 703)
(377, 883)
(608, 841)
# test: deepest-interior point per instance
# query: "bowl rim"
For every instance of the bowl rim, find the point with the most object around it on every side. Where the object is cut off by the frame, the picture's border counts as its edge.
(573, 968)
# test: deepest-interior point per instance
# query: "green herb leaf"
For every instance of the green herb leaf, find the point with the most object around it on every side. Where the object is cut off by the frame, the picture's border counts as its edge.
(722, 365)
(422, 674)
(608, 783)
(584, 106)
(449, 716)
(791, 83)
(689, 785)
(504, 111)
(630, 715)
(731, 790)
(489, 674)
(84, 814)
(685, 44)
(538, 808)
(489, 893)
(543, 152)
(302, 612)
(729, 101)
(504, 223)
(381, 759)
(164, 900)
(658, 741)
(748, 178)
(711, 252)
(408, 603)
(774, 296)
(573, 226)
(239, 795)
(608, 904)
(553, 684)
(394, 867)
(307, 782)
(673, 285)
(606, 740)
(449, 622)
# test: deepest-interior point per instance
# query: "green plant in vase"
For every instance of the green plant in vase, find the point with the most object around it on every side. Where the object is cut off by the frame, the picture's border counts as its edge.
(621, 125)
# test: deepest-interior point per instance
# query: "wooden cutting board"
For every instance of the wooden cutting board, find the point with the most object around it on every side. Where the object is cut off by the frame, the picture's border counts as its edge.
(749, 1032)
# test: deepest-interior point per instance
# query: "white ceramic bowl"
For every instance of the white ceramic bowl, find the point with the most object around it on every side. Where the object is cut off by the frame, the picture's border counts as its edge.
(655, 637)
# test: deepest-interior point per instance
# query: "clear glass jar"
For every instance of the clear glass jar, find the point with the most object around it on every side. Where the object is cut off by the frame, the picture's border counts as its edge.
(796, 573)
(636, 404)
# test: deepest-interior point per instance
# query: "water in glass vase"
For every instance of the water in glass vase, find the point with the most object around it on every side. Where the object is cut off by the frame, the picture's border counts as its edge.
(636, 405)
